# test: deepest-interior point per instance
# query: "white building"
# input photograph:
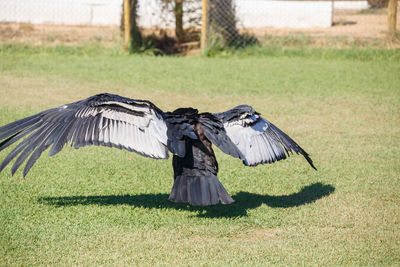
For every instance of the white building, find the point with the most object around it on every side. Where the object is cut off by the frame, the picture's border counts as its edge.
(69, 12)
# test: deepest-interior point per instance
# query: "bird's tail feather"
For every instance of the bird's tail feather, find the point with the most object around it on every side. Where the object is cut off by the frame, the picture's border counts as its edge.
(199, 191)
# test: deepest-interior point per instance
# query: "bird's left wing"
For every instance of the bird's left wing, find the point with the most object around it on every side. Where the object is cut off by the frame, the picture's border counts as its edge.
(102, 120)
(257, 139)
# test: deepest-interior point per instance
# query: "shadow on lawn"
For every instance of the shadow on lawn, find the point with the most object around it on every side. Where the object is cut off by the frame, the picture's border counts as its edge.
(243, 201)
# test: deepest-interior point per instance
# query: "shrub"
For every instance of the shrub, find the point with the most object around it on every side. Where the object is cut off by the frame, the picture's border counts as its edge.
(378, 3)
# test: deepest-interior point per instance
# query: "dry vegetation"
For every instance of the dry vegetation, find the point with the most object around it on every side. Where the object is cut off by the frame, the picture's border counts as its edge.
(346, 23)
(350, 28)
(47, 34)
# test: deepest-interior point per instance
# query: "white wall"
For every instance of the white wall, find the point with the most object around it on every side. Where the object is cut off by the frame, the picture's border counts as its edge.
(293, 14)
(251, 13)
(70, 12)
(351, 5)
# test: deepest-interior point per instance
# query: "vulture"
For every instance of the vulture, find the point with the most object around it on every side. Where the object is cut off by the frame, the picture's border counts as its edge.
(140, 126)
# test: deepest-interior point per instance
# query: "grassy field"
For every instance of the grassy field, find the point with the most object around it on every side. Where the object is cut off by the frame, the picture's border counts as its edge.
(101, 206)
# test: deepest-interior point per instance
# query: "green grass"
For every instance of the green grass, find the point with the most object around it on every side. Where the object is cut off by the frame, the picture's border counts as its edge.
(101, 206)
(296, 46)
(372, 11)
(361, 54)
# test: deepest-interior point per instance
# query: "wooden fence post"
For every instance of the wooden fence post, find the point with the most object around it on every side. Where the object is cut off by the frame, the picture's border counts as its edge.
(392, 19)
(204, 26)
(178, 10)
(127, 24)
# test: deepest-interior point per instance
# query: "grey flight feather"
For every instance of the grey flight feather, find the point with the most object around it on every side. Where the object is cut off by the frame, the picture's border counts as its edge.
(215, 132)
(104, 119)
(259, 140)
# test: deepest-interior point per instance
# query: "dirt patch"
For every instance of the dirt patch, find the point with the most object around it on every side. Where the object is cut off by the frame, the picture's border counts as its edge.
(346, 23)
(39, 34)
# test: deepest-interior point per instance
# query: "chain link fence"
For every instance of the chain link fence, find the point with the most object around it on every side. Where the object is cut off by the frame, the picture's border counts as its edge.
(169, 26)
(176, 25)
(240, 23)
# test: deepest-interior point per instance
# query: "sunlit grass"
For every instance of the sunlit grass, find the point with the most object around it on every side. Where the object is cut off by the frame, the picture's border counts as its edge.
(101, 206)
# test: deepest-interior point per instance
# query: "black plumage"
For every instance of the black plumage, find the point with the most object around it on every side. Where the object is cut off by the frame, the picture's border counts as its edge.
(139, 126)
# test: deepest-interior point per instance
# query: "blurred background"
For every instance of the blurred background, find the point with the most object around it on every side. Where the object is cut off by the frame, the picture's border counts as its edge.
(192, 26)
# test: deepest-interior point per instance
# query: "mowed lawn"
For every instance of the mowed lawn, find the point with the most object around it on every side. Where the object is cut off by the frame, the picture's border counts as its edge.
(102, 206)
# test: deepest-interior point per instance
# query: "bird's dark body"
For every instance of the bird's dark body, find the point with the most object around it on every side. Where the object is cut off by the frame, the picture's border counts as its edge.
(140, 126)
(199, 157)
(195, 174)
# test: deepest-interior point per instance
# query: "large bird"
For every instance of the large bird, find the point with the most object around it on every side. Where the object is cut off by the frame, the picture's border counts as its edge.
(139, 126)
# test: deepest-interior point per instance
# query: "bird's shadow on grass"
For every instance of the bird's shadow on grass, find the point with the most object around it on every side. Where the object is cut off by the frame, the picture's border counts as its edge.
(243, 201)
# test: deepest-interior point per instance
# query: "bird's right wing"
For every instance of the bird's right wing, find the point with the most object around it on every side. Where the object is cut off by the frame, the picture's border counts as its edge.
(257, 139)
(214, 130)
(102, 120)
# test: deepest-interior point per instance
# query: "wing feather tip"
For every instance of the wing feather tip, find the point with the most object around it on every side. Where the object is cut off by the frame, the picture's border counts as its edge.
(309, 160)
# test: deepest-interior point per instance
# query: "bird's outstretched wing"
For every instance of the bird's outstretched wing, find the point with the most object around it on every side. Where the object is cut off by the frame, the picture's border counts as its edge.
(102, 120)
(257, 139)
(214, 130)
